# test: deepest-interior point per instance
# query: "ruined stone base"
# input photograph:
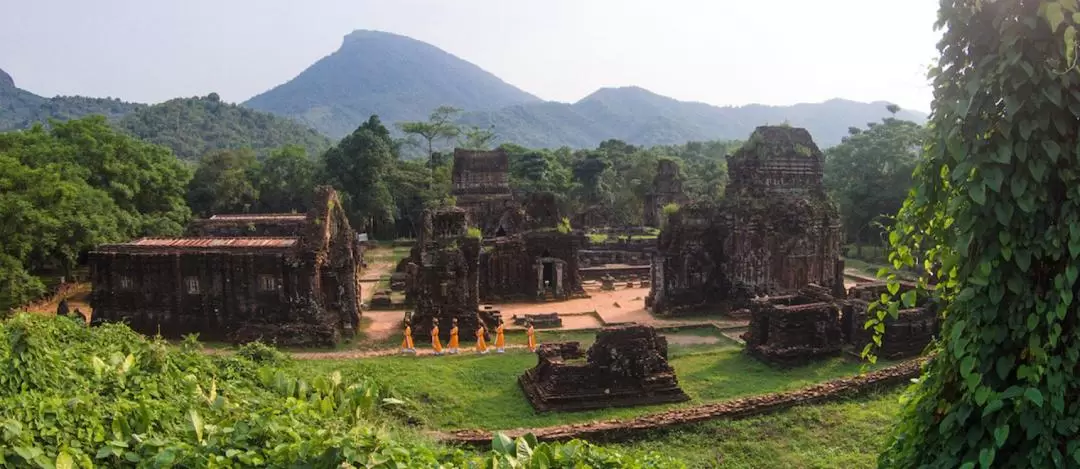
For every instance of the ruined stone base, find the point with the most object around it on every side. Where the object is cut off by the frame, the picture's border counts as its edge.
(587, 399)
(793, 357)
(626, 366)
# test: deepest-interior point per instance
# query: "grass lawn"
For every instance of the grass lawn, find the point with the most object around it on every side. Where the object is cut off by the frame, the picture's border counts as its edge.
(475, 391)
(846, 435)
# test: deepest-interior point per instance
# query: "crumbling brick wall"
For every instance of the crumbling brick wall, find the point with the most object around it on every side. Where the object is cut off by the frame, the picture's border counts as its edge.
(793, 329)
(666, 189)
(626, 366)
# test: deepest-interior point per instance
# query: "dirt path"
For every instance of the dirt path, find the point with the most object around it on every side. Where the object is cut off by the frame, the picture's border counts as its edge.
(609, 430)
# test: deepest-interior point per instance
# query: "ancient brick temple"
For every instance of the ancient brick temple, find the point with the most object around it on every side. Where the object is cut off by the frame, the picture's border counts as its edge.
(775, 231)
(626, 366)
(794, 329)
(538, 263)
(287, 278)
(481, 186)
(907, 335)
(666, 189)
(444, 277)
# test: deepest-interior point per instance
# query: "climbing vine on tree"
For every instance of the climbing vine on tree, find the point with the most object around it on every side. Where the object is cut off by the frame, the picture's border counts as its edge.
(995, 217)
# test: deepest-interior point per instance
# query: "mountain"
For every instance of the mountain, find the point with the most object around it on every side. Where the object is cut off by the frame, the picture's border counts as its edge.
(641, 117)
(20, 108)
(194, 126)
(396, 77)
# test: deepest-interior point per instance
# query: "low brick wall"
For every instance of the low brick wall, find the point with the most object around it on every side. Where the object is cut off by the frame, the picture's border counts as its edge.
(613, 430)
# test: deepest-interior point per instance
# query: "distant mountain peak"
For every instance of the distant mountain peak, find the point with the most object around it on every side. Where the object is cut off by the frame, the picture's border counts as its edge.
(5, 80)
(396, 77)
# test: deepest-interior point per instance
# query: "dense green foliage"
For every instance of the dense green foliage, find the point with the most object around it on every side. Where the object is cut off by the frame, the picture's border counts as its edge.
(398, 78)
(995, 215)
(193, 127)
(869, 175)
(640, 117)
(359, 165)
(81, 183)
(72, 396)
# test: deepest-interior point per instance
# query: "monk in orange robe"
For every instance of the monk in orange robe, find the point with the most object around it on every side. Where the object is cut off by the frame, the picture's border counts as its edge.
(435, 343)
(453, 346)
(481, 344)
(407, 343)
(500, 338)
(532, 337)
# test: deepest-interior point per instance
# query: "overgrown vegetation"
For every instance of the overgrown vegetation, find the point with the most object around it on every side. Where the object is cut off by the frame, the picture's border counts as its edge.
(72, 396)
(78, 184)
(995, 215)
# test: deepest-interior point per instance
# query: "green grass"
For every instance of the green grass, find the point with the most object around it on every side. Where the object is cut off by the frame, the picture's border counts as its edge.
(473, 391)
(847, 434)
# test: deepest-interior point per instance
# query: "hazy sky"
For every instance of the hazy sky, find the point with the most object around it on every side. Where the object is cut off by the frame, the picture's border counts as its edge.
(722, 52)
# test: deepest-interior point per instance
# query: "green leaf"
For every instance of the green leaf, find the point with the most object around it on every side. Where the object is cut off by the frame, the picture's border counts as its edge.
(1003, 366)
(1054, 15)
(986, 458)
(1001, 435)
(1052, 149)
(197, 424)
(893, 288)
(908, 298)
(978, 193)
(503, 444)
(1035, 396)
(64, 461)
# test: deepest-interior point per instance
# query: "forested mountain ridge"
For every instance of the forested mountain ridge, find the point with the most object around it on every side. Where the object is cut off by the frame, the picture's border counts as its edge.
(193, 127)
(20, 108)
(641, 117)
(396, 77)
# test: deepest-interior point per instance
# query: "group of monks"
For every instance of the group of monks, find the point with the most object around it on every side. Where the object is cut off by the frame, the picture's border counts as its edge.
(453, 347)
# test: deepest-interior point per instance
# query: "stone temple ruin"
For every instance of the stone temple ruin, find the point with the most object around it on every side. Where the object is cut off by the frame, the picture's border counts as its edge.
(444, 276)
(906, 336)
(774, 233)
(667, 189)
(481, 186)
(626, 366)
(522, 250)
(286, 278)
(794, 329)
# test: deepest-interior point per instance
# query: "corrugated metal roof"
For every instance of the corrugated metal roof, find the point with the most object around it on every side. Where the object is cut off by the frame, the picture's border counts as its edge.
(260, 216)
(204, 243)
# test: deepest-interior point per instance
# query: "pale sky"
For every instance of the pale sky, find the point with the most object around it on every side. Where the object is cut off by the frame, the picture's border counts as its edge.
(722, 52)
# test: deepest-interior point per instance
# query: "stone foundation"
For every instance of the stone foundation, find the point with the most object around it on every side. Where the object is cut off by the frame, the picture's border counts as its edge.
(905, 336)
(627, 366)
(794, 330)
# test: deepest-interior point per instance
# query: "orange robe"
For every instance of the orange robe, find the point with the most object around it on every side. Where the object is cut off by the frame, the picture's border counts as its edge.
(435, 344)
(481, 345)
(407, 343)
(500, 339)
(532, 338)
(453, 345)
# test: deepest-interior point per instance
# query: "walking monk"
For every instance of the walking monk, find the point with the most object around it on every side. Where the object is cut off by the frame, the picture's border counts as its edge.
(435, 344)
(500, 339)
(453, 346)
(481, 344)
(407, 343)
(532, 337)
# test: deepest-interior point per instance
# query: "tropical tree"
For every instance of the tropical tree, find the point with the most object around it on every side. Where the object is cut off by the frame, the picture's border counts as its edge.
(439, 126)
(225, 182)
(360, 166)
(286, 180)
(995, 216)
(869, 174)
